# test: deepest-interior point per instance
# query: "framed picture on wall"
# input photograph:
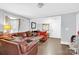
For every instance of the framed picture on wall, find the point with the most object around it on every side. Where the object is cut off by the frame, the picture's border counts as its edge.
(33, 25)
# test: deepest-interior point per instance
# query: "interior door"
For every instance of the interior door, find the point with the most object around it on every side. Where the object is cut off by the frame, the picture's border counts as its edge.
(55, 27)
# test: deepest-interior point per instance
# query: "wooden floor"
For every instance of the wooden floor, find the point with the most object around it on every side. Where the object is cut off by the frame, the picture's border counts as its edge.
(53, 47)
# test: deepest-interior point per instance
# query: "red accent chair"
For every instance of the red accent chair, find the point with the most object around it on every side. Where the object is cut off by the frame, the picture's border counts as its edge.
(44, 34)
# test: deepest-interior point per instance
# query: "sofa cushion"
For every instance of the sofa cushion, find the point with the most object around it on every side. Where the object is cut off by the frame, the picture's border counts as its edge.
(24, 47)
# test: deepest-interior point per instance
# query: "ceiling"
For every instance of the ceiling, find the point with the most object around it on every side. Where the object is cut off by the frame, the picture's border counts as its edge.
(31, 10)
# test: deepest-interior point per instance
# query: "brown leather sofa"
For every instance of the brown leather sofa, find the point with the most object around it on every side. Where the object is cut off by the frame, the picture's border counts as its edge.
(7, 48)
(13, 48)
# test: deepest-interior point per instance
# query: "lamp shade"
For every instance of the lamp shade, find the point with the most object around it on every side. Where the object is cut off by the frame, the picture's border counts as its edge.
(7, 27)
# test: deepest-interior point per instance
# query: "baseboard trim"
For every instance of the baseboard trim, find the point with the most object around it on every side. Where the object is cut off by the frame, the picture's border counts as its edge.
(54, 38)
(64, 42)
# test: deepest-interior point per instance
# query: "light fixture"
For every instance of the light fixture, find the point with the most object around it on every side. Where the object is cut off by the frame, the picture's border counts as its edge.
(40, 5)
(12, 17)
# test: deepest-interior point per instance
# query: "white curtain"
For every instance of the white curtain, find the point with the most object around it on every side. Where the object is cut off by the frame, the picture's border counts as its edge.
(14, 24)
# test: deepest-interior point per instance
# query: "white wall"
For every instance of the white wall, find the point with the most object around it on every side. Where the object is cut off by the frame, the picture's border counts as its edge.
(24, 25)
(54, 25)
(1, 20)
(68, 27)
(77, 22)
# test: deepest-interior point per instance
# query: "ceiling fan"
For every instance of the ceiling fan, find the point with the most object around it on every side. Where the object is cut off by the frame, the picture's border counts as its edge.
(40, 5)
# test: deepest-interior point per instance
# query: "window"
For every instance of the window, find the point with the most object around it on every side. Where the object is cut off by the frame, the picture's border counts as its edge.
(13, 22)
(45, 27)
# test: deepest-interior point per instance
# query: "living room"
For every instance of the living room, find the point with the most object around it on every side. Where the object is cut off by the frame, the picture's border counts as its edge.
(38, 28)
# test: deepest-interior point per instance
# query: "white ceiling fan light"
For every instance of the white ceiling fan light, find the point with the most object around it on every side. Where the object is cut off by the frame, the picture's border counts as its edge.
(40, 5)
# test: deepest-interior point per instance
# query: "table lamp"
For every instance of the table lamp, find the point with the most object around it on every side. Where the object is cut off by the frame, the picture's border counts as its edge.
(7, 28)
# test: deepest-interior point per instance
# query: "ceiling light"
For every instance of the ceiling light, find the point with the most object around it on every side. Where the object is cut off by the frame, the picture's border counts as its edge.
(12, 17)
(40, 5)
